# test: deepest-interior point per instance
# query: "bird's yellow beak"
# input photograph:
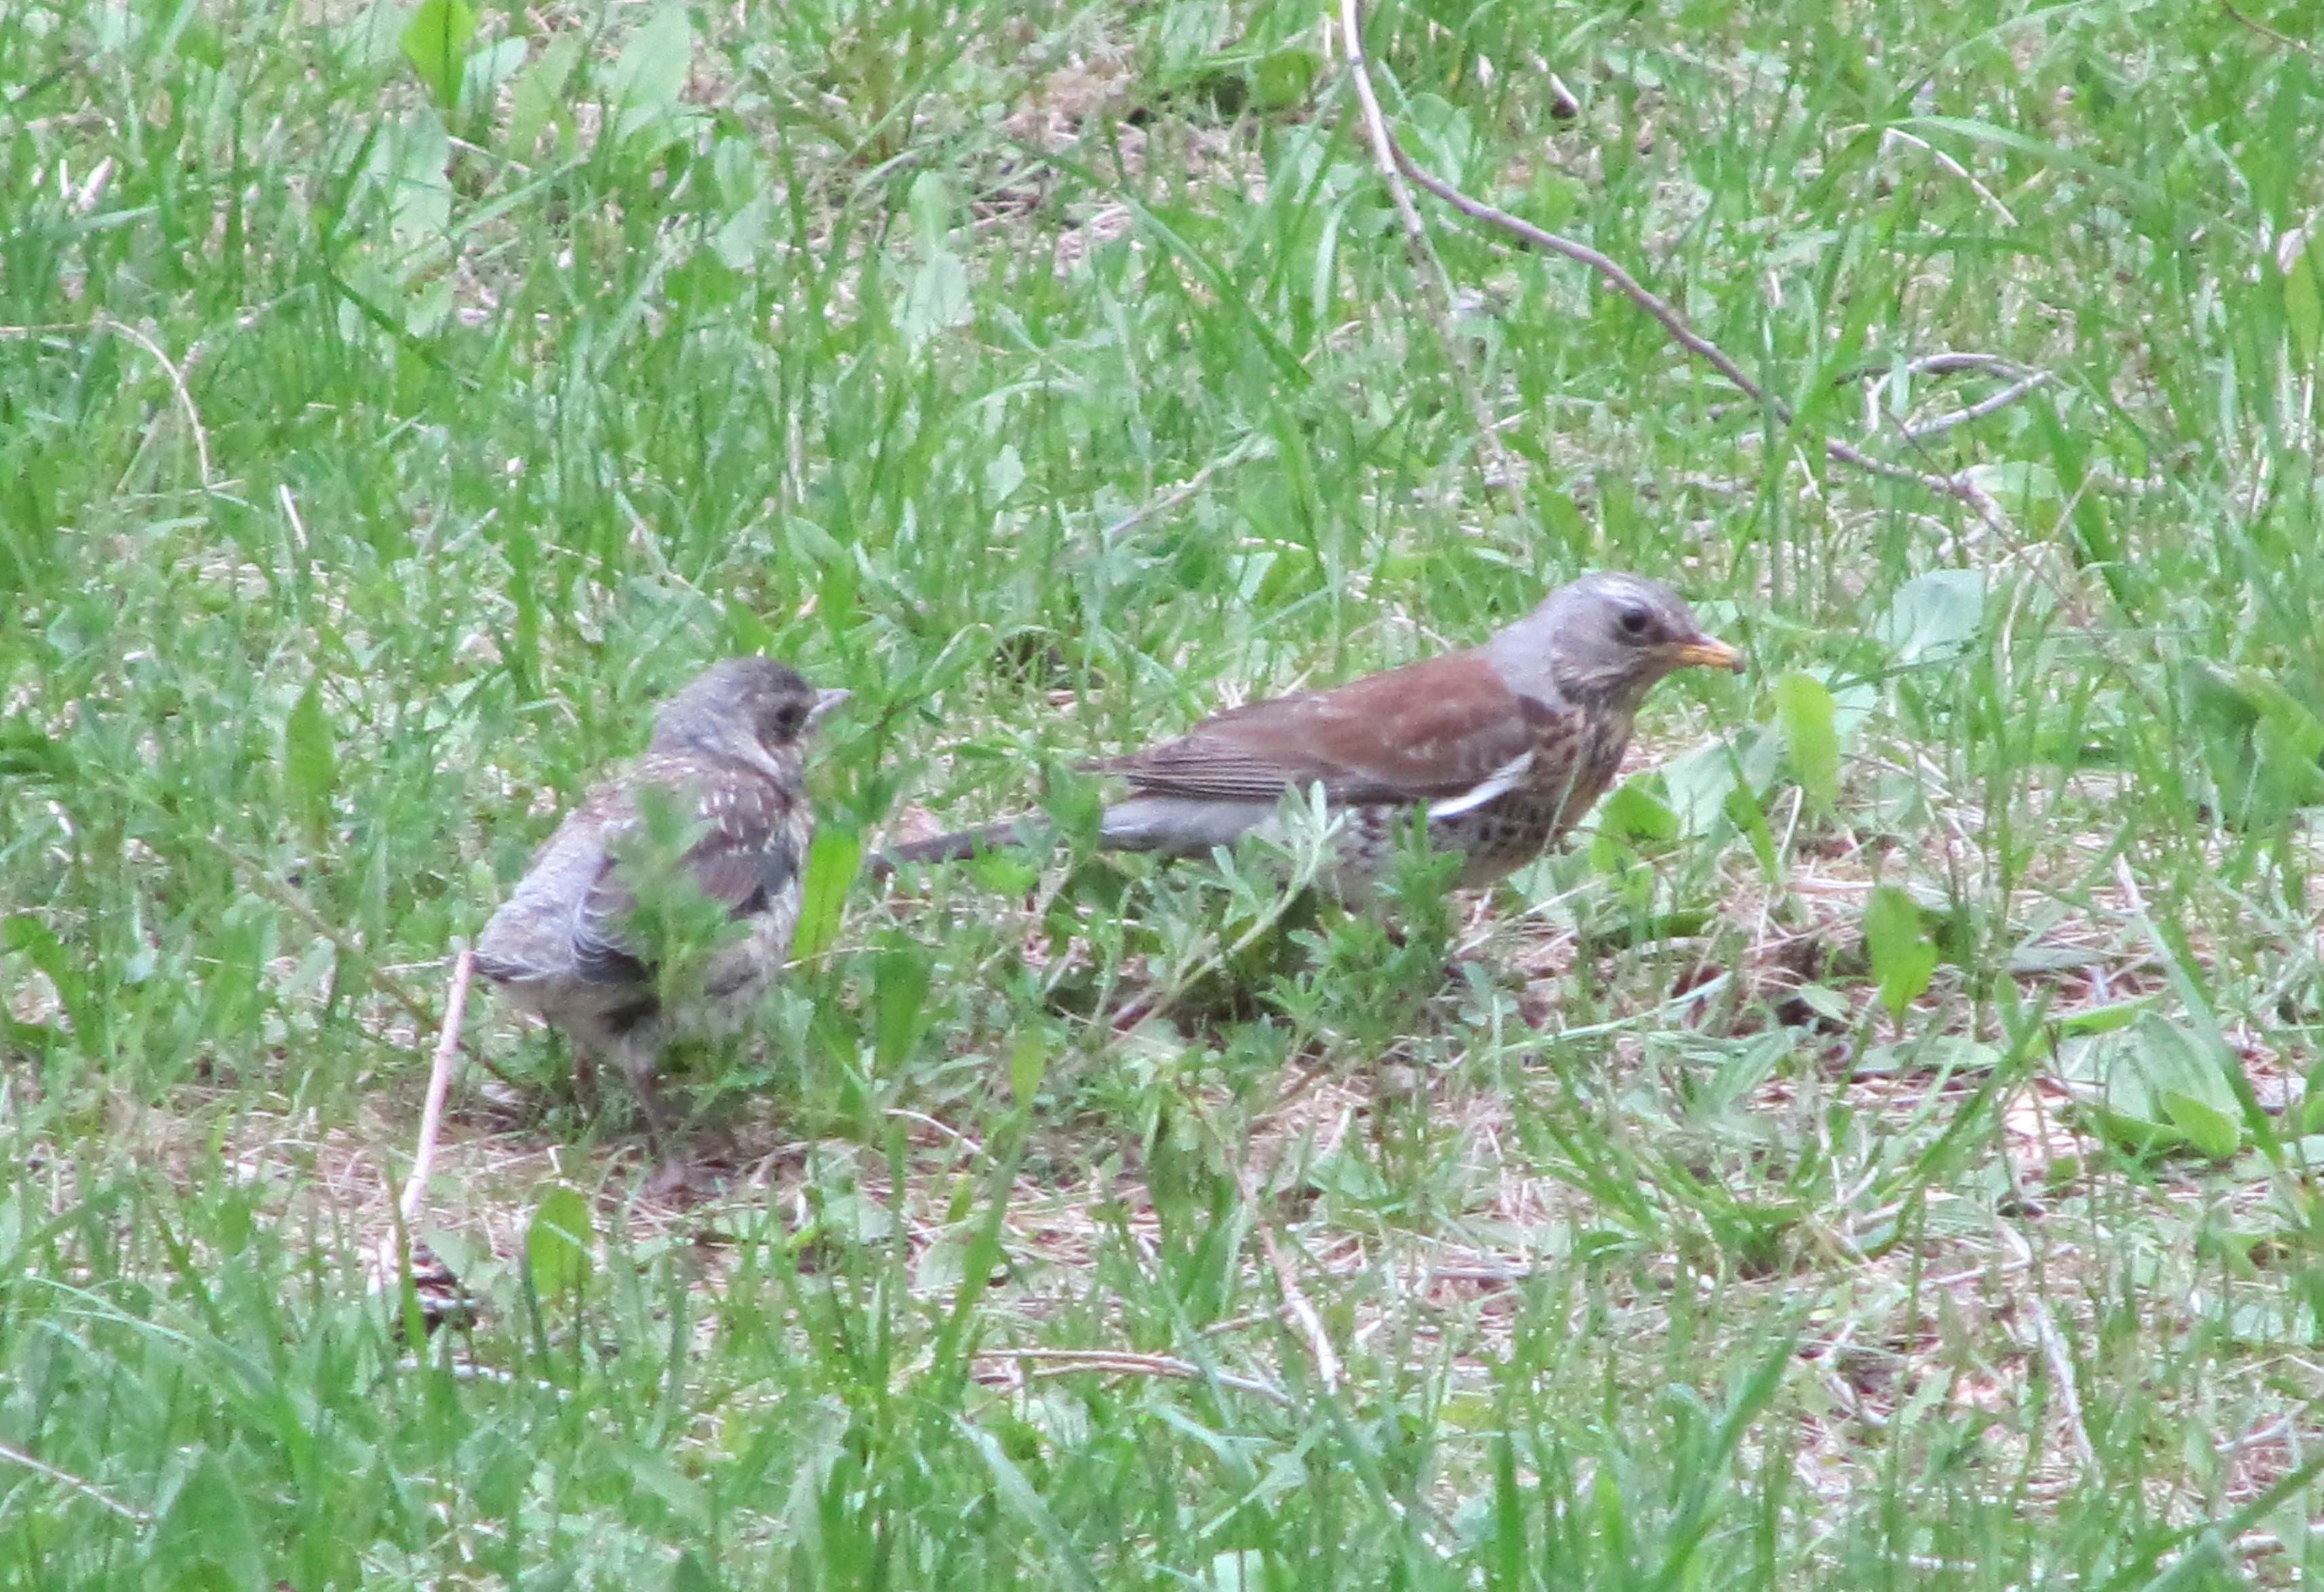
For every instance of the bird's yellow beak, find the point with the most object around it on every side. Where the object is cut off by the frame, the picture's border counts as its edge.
(1703, 653)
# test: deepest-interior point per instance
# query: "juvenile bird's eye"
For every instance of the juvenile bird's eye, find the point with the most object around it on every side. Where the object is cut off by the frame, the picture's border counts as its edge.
(789, 720)
(1636, 622)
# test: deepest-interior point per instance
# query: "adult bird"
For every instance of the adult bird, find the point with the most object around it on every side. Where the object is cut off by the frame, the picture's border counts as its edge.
(1504, 745)
(727, 762)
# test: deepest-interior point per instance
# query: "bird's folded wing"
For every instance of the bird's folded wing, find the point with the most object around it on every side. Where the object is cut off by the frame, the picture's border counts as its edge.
(746, 855)
(531, 937)
(1440, 731)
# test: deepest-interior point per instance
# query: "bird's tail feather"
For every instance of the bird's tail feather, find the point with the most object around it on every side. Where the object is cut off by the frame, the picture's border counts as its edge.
(1031, 832)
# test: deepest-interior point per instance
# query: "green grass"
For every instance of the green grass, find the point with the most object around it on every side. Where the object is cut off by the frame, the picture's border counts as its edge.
(384, 429)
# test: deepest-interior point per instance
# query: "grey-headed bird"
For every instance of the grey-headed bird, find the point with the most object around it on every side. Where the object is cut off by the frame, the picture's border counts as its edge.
(728, 753)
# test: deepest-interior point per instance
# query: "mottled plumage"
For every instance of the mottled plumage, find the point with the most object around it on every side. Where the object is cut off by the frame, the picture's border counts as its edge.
(729, 749)
(1505, 746)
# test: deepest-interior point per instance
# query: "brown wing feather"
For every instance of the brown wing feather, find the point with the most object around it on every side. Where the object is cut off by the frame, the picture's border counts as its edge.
(1423, 733)
(747, 855)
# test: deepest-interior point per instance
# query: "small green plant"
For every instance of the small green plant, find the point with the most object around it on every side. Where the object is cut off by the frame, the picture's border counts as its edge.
(392, 397)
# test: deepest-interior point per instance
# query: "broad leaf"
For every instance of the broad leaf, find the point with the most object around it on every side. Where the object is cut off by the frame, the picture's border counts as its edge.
(435, 43)
(557, 1245)
(650, 75)
(1028, 1062)
(937, 299)
(1904, 956)
(1806, 711)
(2154, 1086)
(899, 997)
(831, 865)
(1933, 615)
(2304, 307)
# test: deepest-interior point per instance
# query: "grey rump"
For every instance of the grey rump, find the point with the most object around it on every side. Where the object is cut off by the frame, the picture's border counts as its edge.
(1505, 746)
(731, 749)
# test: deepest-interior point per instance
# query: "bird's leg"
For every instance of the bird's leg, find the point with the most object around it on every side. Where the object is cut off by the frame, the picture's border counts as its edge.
(640, 1063)
(674, 1173)
(584, 1078)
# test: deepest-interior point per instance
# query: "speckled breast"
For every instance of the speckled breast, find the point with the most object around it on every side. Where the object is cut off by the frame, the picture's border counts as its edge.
(1502, 835)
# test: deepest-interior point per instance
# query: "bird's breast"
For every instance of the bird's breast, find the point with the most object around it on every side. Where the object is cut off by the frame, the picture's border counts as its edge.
(1576, 753)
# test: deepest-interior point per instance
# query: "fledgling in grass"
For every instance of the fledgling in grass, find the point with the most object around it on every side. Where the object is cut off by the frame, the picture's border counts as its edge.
(665, 902)
(1504, 745)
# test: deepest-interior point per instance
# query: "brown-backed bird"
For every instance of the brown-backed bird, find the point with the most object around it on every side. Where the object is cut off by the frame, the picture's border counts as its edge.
(1505, 746)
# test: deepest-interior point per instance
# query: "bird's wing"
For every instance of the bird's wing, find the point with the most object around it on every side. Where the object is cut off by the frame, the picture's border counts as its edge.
(748, 851)
(530, 936)
(1444, 730)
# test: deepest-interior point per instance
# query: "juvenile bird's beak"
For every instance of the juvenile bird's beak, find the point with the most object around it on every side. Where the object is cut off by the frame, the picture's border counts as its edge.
(825, 701)
(1703, 653)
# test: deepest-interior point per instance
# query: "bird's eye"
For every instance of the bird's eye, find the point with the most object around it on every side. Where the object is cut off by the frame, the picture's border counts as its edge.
(789, 720)
(1636, 622)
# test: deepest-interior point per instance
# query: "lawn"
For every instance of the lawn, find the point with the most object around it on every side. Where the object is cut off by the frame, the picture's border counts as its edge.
(1877, 1152)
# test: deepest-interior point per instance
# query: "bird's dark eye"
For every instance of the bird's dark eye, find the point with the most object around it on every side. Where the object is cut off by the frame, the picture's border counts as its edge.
(789, 720)
(1636, 622)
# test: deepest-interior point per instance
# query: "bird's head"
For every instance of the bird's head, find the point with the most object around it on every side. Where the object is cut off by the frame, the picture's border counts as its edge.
(1606, 639)
(752, 710)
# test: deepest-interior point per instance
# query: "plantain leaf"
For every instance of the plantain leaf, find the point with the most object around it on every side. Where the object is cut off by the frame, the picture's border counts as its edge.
(1934, 616)
(557, 1246)
(435, 43)
(1806, 711)
(1904, 956)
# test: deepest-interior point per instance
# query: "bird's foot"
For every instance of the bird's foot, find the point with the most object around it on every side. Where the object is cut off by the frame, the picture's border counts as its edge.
(585, 1094)
(677, 1179)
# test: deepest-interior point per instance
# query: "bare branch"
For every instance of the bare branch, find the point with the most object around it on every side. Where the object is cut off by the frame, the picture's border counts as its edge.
(176, 383)
(67, 1479)
(439, 1084)
(1978, 410)
(1062, 1362)
(2264, 32)
(1959, 486)
(1390, 160)
(256, 874)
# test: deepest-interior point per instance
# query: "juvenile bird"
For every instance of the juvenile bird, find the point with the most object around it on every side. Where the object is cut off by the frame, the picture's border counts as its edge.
(1504, 745)
(728, 751)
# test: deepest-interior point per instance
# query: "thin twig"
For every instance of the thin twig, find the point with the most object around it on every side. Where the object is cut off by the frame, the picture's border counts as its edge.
(1978, 410)
(1061, 1362)
(439, 1084)
(1303, 1316)
(1949, 362)
(2273, 1431)
(1959, 486)
(300, 907)
(1955, 167)
(1250, 446)
(2264, 32)
(1954, 362)
(177, 381)
(1436, 283)
(66, 1478)
(256, 873)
